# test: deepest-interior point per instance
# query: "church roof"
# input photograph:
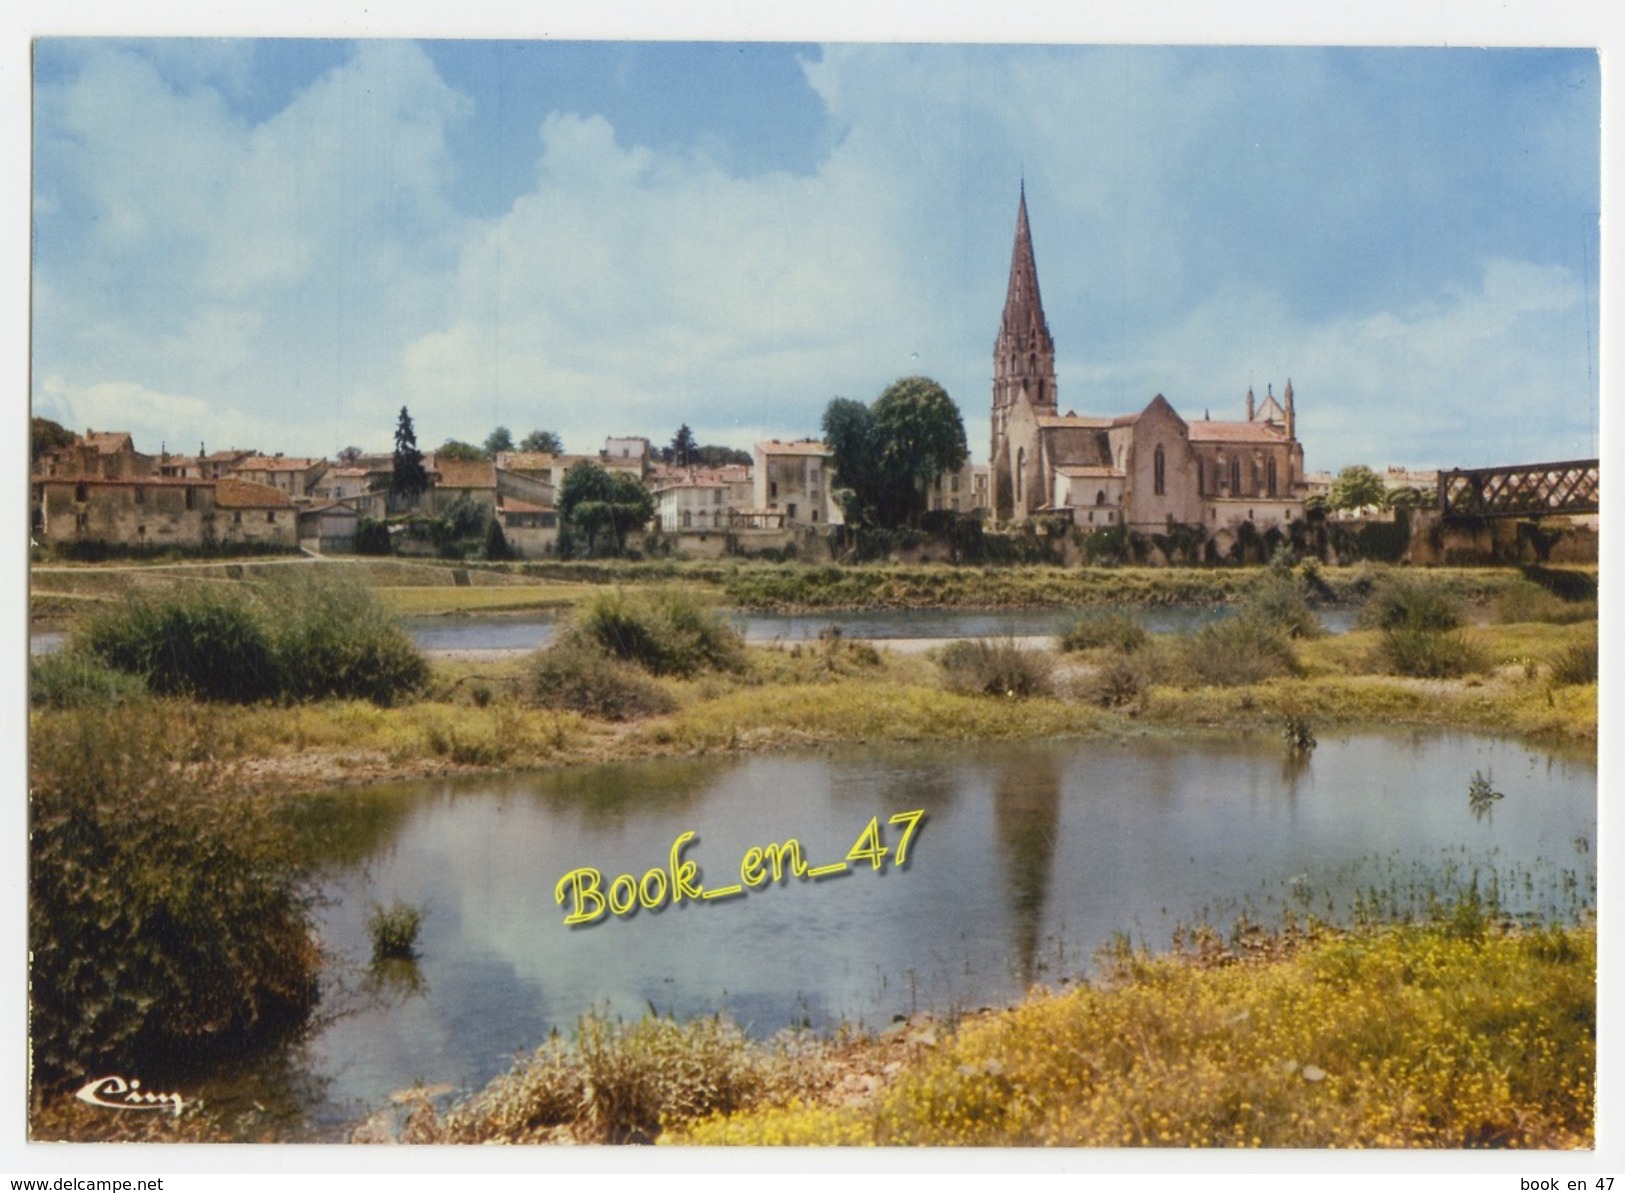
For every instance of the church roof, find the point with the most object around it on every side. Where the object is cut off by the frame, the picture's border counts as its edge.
(1023, 307)
(1088, 470)
(1087, 422)
(1270, 411)
(1207, 431)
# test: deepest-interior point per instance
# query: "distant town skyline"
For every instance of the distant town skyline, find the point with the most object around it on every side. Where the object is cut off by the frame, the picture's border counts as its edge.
(277, 244)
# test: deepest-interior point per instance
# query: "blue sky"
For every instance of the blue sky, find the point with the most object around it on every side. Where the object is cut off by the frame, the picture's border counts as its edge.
(275, 244)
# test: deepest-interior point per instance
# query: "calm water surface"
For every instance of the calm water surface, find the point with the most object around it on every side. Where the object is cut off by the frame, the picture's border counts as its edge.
(1029, 858)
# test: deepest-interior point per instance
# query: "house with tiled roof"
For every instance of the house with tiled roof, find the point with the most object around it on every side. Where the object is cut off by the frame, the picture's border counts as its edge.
(156, 512)
(293, 475)
(451, 481)
(107, 454)
(1148, 471)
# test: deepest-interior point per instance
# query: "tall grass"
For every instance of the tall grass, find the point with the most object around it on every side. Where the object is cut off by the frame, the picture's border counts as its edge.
(1236, 651)
(167, 919)
(1411, 602)
(74, 679)
(576, 676)
(1105, 628)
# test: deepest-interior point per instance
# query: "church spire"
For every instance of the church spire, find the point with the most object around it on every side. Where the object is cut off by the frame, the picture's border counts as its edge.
(1023, 308)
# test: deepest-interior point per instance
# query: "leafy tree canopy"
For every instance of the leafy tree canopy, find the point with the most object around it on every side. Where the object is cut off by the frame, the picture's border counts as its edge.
(542, 441)
(456, 449)
(1356, 487)
(499, 440)
(45, 436)
(349, 455)
(605, 506)
(887, 456)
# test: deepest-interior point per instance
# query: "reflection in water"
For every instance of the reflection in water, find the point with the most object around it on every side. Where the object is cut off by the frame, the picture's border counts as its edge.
(1030, 853)
(1026, 816)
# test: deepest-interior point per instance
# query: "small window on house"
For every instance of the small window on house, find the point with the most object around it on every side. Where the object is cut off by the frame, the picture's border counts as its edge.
(141, 531)
(191, 498)
(790, 510)
(1110, 517)
(237, 516)
(270, 515)
(953, 483)
(141, 494)
(1100, 498)
(1091, 515)
(772, 488)
(815, 514)
(688, 519)
(81, 492)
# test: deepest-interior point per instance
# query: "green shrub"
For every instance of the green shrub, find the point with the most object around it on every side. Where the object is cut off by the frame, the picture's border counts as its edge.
(1411, 602)
(70, 679)
(1103, 628)
(372, 538)
(666, 631)
(205, 642)
(1522, 601)
(1121, 681)
(333, 639)
(1237, 651)
(301, 636)
(578, 677)
(997, 668)
(394, 931)
(1577, 664)
(1277, 601)
(167, 919)
(1428, 654)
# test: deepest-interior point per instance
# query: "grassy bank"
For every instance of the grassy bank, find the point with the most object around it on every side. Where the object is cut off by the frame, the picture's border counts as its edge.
(1412, 1036)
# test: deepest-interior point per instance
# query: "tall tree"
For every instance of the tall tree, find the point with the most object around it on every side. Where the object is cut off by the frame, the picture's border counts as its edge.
(409, 479)
(889, 455)
(683, 448)
(542, 441)
(594, 500)
(46, 436)
(1357, 487)
(349, 455)
(921, 438)
(499, 440)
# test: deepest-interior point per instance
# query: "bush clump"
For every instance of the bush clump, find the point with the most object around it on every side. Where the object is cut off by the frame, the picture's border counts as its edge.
(1411, 603)
(73, 679)
(1277, 601)
(167, 919)
(1105, 629)
(997, 668)
(1429, 654)
(302, 638)
(205, 642)
(332, 638)
(1577, 664)
(621, 1082)
(1236, 651)
(666, 631)
(1522, 601)
(578, 677)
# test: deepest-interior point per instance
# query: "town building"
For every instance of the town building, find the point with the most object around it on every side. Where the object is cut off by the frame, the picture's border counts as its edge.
(1148, 471)
(792, 480)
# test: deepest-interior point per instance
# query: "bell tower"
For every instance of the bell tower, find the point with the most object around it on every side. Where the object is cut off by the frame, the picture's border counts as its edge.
(1023, 379)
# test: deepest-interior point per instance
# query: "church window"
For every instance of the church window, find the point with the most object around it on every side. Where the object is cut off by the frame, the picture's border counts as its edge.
(1158, 473)
(687, 519)
(1271, 476)
(1235, 477)
(1021, 466)
(1100, 498)
(815, 514)
(1091, 515)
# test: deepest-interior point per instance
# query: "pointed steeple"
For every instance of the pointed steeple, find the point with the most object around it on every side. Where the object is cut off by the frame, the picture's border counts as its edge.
(1023, 308)
(1024, 353)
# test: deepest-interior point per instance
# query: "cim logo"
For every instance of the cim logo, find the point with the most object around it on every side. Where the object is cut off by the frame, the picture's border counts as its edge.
(115, 1093)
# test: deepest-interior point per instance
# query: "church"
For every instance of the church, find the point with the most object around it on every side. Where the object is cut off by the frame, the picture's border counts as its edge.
(1149, 471)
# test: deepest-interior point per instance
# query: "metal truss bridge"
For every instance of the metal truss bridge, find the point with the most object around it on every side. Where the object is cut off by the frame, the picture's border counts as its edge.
(1520, 491)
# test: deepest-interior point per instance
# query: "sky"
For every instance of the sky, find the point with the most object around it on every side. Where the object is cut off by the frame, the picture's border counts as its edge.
(275, 244)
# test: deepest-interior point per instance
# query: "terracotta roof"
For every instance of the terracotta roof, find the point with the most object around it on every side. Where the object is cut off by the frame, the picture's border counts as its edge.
(156, 482)
(231, 493)
(1206, 431)
(229, 455)
(330, 508)
(279, 463)
(466, 474)
(109, 441)
(526, 461)
(801, 447)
